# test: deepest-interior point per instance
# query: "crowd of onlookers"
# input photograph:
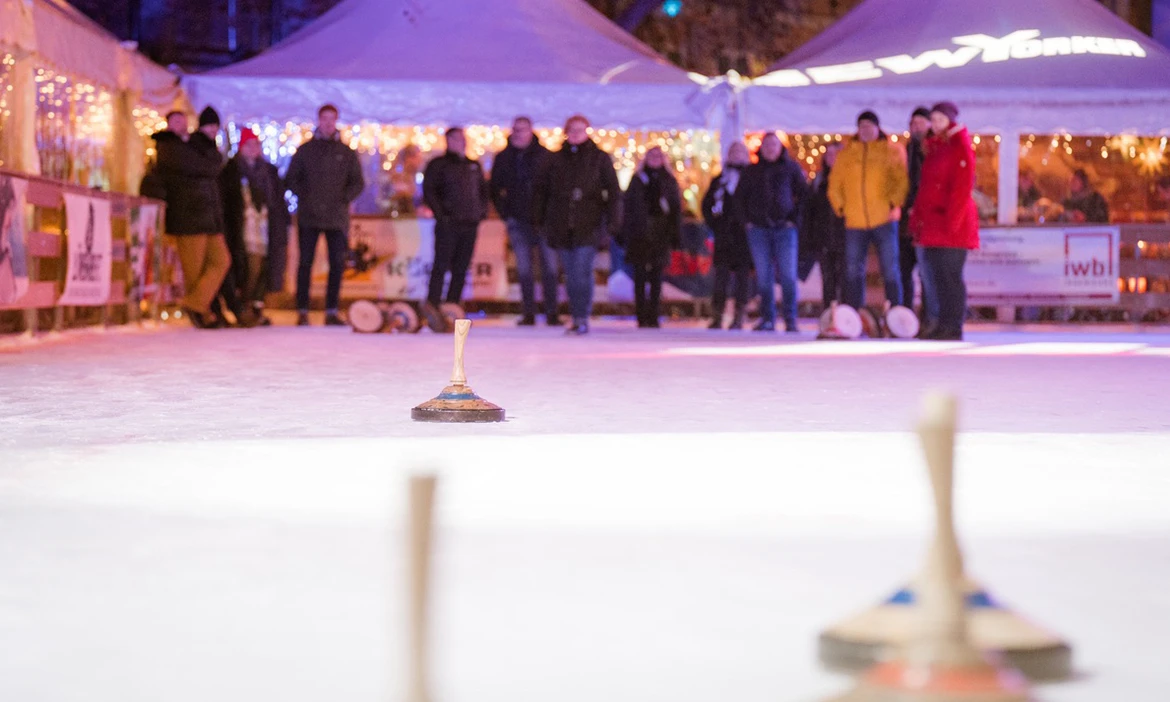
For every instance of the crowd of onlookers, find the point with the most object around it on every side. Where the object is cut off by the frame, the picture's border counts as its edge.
(769, 224)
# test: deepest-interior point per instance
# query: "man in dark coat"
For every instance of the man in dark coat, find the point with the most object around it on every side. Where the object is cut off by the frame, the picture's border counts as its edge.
(455, 190)
(722, 213)
(514, 173)
(255, 220)
(326, 177)
(772, 196)
(907, 252)
(184, 176)
(577, 202)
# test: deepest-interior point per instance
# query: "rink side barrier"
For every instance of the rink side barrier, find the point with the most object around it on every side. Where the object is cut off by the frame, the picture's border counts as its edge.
(138, 290)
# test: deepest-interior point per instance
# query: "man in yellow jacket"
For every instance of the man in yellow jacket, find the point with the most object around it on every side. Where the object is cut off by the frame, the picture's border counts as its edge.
(867, 187)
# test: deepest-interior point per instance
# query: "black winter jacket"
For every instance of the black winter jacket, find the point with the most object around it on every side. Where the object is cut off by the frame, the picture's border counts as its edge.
(455, 190)
(271, 189)
(652, 218)
(578, 191)
(727, 225)
(326, 176)
(514, 175)
(184, 176)
(772, 193)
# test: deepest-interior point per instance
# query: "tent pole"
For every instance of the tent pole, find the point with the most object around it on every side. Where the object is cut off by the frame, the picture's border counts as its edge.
(1009, 197)
(1009, 177)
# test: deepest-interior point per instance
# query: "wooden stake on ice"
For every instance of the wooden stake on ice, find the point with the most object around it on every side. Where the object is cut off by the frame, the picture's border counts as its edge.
(421, 519)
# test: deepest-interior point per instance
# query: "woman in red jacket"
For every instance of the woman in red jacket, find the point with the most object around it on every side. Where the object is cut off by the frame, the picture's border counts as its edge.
(945, 221)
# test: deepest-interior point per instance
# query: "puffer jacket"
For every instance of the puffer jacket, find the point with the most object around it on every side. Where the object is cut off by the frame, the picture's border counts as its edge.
(326, 176)
(577, 192)
(944, 213)
(455, 189)
(773, 193)
(868, 181)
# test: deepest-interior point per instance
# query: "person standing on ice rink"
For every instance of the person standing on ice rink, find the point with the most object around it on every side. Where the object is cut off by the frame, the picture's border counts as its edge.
(772, 197)
(945, 221)
(651, 228)
(455, 190)
(326, 177)
(577, 203)
(514, 174)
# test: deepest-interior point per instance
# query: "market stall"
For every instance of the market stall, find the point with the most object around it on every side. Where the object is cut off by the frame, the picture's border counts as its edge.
(1046, 88)
(76, 103)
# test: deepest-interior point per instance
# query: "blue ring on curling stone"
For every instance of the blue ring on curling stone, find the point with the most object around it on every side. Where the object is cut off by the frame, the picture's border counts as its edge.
(976, 600)
(457, 396)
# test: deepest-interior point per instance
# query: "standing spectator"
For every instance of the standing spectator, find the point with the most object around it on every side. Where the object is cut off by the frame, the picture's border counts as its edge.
(1084, 204)
(945, 221)
(514, 174)
(908, 253)
(771, 196)
(868, 187)
(651, 228)
(184, 176)
(578, 204)
(722, 213)
(455, 190)
(255, 214)
(326, 177)
(827, 230)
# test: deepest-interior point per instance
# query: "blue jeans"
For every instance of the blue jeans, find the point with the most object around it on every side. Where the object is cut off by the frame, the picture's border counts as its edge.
(929, 294)
(525, 240)
(857, 241)
(774, 253)
(578, 265)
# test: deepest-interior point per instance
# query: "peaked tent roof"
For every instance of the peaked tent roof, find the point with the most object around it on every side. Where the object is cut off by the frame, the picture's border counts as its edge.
(1045, 66)
(67, 40)
(457, 61)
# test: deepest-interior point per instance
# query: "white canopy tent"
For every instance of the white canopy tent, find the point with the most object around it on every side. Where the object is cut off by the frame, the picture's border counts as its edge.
(1012, 67)
(432, 62)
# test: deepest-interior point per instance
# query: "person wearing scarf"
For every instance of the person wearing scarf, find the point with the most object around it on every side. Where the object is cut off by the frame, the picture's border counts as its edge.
(732, 256)
(651, 229)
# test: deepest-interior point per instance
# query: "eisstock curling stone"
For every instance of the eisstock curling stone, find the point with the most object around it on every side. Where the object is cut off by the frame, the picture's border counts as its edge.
(938, 661)
(402, 317)
(901, 322)
(366, 317)
(458, 402)
(839, 322)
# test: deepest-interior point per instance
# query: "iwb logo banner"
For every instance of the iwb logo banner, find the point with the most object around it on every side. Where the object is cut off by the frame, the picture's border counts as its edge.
(1045, 266)
(1089, 255)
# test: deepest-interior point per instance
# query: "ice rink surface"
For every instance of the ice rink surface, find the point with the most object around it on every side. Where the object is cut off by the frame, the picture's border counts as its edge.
(666, 516)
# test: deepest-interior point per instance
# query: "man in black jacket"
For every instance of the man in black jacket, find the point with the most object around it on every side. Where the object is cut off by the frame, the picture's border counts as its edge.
(326, 177)
(455, 190)
(513, 175)
(907, 252)
(772, 196)
(184, 176)
(577, 202)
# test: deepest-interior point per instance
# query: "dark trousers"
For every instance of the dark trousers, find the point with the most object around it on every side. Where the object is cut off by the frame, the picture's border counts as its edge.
(338, 244)
(723, 276)
(945, 267)
(832, 275)
(647, 291)
(907, 260)
(454, 245)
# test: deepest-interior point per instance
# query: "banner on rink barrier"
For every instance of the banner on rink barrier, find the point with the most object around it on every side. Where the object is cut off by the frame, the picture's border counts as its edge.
(391, 259)
(13, 261)
(1044, 266)
(90, 242)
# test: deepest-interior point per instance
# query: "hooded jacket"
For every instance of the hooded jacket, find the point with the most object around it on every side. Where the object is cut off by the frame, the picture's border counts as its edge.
(577, 192)
(868, 181)
(326, 176)
(185, 176)
(944, 213)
